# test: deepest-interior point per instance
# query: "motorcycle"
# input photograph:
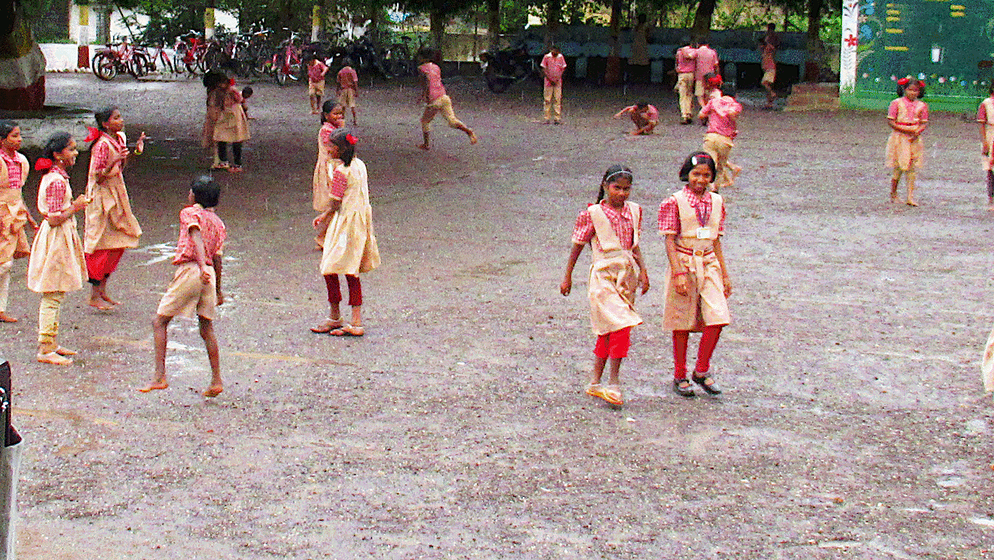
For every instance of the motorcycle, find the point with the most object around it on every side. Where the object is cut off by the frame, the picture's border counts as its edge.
(504, 68)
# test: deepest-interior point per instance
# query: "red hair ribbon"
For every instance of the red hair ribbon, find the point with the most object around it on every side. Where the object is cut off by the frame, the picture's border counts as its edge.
(903, 81)
(231, 81)
(94, 133)
(715, 81)
(43, 164)
(351, 139)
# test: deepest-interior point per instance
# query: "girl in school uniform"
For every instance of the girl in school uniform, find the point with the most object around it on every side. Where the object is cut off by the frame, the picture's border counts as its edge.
(14, 215)
(110, 226)
(985, 117)
(350, 243)
(908, 118)
(697, 288)
(56, 265)
(332, 118)
(231, 126)
(611, 227)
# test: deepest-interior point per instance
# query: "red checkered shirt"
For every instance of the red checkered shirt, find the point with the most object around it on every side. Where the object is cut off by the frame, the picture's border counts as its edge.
(55, 194)
(13, 169)
(669, 212)
(101, 151)
(211, 230)
(327, 129)
(621, 223)
(339, 182)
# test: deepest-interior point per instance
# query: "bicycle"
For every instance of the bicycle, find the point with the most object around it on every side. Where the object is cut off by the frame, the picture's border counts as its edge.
(154, 61)
(109, 62)
(287, 63)
(190, 50)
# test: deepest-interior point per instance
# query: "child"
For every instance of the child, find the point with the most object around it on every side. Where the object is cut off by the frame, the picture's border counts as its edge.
(612, 228)
(214, 81)
(706, 63)
(332, 118)
(110, 226)
(768, 46)
(712, 90)
(247, 92)
(985, 116)
(196, 284)
(347, 90)
(232, 125)
(908, 117)
(14, 213)
(645, 117)
(698, 285)
(686, 65)
(315, 81)
(722, 114)
(350, 244)
(553, 65)
(435, 100)
(56, 265)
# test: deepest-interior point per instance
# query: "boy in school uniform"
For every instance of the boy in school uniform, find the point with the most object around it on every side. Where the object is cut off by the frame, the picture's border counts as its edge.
(348, 90)
(553, 65)
(315, 82)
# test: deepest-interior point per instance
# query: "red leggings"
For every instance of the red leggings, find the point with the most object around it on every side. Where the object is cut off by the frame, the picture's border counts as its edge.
(613, 344)
(100, 263)
(335, 292)
(709, 339)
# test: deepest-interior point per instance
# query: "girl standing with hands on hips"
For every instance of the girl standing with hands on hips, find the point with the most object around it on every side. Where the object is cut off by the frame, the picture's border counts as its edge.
(908, 117)
(611, 227)
(110, 226)
(693, 221)
(56, 265)
(349, 244)
(14, 214)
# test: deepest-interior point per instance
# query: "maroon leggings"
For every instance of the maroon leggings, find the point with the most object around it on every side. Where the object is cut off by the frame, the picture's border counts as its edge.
(709, 339)
(335, 292)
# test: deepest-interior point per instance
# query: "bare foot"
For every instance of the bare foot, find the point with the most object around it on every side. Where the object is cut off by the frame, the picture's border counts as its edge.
(213, 391)
(423, 147)
(912, 202)
(155, 386)
(894, 198)
(4, 318)
(99, 304)
(108, 299)
(990, 207)
(472, 138)
(53, 358)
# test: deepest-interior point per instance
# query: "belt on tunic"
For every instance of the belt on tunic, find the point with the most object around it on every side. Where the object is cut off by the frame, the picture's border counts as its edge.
(695, 252)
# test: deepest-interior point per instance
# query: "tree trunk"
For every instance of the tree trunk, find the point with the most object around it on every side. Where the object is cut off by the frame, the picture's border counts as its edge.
(437, 32)
(612, 72)
(702, 20)
(553, 15)
(493, 25)
(812, 68)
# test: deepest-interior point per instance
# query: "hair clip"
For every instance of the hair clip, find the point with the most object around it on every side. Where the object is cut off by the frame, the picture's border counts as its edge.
(93, 134)
(43, 164)
(700, 159)
(715, 81)
(351, 139)
(903, 81)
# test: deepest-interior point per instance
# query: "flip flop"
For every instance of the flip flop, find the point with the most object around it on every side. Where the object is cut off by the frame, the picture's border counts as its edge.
(327, 326)
(53, 358)
(4, 318)
(612, 394)
(594, 390)
(347, 330)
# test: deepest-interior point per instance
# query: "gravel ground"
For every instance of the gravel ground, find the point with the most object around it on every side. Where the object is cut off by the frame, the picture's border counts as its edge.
(853, 425)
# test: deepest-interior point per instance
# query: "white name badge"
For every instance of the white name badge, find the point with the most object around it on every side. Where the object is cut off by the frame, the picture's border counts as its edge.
(704, 233)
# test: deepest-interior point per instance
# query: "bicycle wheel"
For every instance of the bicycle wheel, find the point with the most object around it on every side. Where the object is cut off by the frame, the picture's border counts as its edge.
(167, 64)
(213, 59)
(138, 65)
(104, 66)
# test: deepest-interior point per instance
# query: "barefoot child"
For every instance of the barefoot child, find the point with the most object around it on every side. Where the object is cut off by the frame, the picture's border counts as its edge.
(693, 221)
(908, 118)
(347, 90)
(722, 114)
(350, 243)
(14, 215)
(436, 101)
(56, 265)
(985, 117)
(332, 118)
(611, 227)
(110, 226)
(315, 82)
(196, 285)
(645, 117)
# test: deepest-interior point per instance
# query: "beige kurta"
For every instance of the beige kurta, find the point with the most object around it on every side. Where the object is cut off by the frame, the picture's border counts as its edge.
(322, 181)
(232, 123)
(988, 104)
(613, 275)
(56, 263)
(350, 243)
(903, 152)
(705, 303)
(109, 222)
(13, 215)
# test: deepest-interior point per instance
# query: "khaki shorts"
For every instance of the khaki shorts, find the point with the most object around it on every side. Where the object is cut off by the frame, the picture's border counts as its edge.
(769, 77)
(698, 88)
(315, 88)
(186, 294)
(441, 105)
(346, 97)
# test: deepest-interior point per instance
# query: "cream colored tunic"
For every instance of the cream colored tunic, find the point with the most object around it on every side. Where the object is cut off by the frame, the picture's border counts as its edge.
(56, 263)
(322, 181)
(109, 222)
(902, 152)
(13, 215)
(350, 243)
(613, 275)
(705, 303)
(988, 123)
(232, 123)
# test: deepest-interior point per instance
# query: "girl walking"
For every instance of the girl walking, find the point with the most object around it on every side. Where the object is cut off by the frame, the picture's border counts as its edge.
(231, 126)
(697, 288)
(56, 265)
(14, 214)
(350, 243)
(110, 226)
(611, 227)
(908, 118)
(332, 118)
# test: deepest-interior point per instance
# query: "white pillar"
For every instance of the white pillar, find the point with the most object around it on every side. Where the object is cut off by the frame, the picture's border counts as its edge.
(850, 42)
(209, 23)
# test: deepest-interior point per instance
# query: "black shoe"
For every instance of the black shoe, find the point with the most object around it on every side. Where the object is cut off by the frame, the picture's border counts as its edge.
(683, 388)
(711, 388)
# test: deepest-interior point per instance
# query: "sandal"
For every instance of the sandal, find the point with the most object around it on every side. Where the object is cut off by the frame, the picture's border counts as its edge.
(65, 351)
(612, 394)
(327, 326)
(347, 330)
(710, 388)
(4, 318)
(53, 358)
(683, 388)
(594, 390)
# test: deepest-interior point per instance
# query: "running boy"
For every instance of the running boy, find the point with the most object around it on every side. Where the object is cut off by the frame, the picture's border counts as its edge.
(196, 285)
(436, 101)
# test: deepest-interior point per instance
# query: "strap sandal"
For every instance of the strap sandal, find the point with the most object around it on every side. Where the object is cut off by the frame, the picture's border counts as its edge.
(683, 388)
(708, 384)
(594, 390)
(612, 395)
(53, 358)
(65, 351)
(326, 326)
